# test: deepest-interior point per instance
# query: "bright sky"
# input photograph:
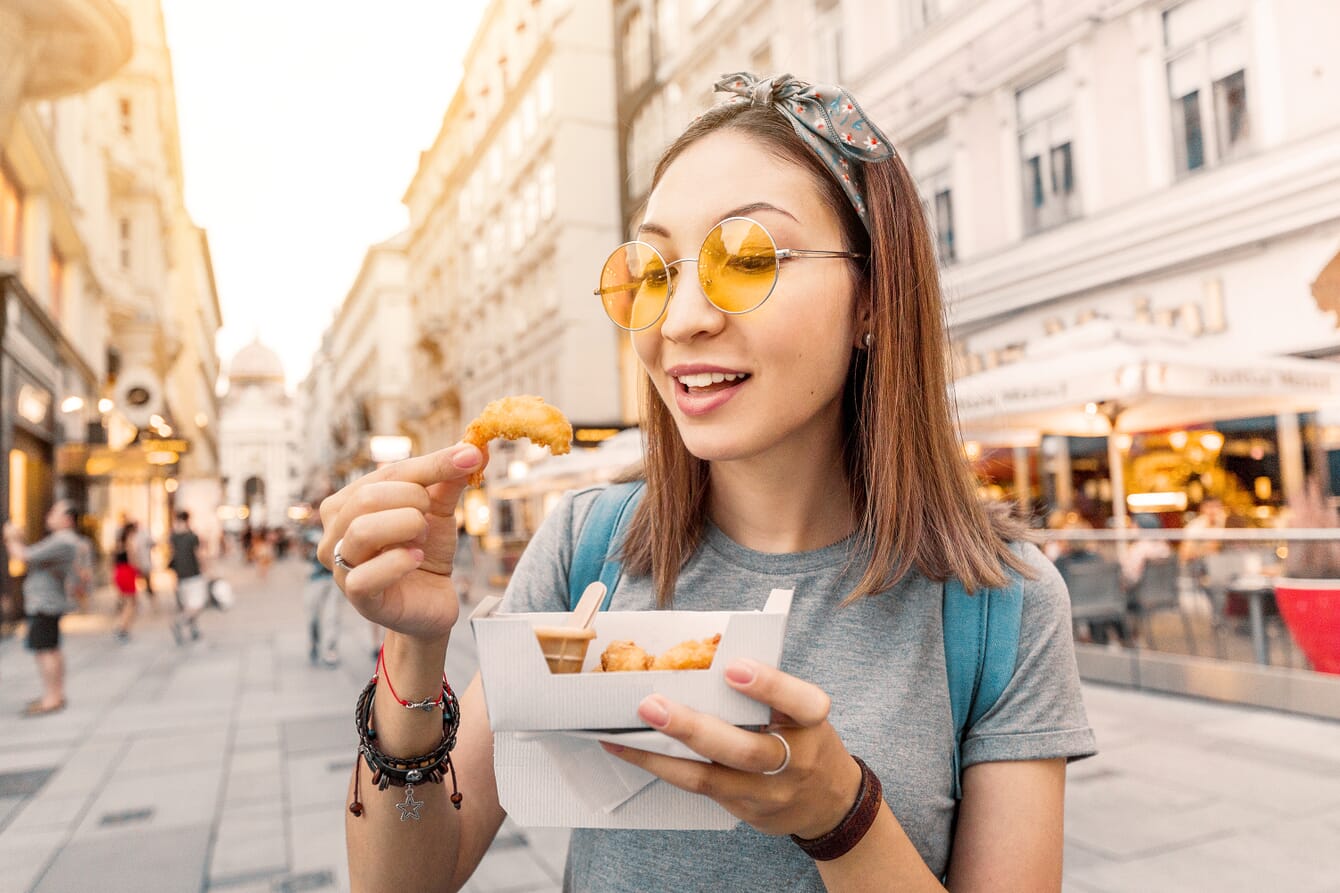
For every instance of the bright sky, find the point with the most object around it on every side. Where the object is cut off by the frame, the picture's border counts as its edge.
(301, 126)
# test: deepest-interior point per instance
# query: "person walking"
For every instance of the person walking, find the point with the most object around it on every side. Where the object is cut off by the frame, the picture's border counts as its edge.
(784, 308)
(51, 563)
(126, 578)
(192, 588)
(139, 547)
(323, 601)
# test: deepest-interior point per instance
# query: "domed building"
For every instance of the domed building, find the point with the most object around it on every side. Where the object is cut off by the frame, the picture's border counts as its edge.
(258, 437)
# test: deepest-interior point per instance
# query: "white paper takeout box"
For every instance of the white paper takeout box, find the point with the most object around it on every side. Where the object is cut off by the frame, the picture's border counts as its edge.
(548, 777)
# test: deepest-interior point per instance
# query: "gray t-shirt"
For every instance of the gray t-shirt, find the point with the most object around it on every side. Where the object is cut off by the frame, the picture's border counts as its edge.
(51, 562)
(881, 660)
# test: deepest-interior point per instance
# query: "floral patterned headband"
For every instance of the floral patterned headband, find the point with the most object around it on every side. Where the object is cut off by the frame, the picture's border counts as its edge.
(826, 117)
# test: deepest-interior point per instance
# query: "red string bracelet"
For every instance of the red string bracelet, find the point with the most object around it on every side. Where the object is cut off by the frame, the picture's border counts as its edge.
(426, 704)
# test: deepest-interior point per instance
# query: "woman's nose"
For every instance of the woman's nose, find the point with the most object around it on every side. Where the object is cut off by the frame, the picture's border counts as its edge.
(689, 312)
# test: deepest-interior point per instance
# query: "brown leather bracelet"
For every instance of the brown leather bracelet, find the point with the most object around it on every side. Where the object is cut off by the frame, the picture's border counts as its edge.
(854, 824)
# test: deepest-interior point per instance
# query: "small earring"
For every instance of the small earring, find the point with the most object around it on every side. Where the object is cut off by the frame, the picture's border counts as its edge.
(868, 339)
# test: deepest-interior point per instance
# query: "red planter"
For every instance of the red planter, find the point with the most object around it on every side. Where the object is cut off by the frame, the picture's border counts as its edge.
(1311, 609)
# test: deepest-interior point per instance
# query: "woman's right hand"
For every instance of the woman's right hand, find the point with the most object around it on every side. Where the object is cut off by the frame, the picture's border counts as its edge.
(397, 529)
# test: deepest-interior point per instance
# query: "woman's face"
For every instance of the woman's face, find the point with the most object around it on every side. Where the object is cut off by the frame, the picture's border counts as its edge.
(792, 353)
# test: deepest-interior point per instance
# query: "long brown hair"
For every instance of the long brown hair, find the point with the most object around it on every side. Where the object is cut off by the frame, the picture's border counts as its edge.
(912, 490)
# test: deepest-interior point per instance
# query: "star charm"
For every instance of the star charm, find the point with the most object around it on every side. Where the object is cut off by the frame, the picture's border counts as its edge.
(410, 808)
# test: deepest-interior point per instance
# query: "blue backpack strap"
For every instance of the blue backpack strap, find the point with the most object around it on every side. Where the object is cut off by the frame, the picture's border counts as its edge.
(981, 646)
(595, 556)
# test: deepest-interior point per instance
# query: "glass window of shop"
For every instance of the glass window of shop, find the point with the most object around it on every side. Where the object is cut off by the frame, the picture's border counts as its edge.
(1206, 49)
(1046, 153)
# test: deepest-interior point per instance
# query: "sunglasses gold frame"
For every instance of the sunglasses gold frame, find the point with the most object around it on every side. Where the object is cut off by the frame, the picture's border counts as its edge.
(779, 255)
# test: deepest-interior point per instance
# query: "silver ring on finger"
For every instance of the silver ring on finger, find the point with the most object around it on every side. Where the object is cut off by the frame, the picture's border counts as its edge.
(786, 755)
(346, 566)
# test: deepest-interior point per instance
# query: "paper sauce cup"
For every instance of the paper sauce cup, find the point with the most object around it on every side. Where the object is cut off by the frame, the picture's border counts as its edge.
(564, 647)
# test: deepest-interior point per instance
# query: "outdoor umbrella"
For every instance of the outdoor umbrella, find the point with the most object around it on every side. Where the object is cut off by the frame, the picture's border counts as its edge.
(1109, 377)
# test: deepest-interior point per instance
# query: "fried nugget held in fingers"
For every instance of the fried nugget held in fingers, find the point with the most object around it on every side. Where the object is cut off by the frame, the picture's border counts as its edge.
(690, 655)
(512, 418)
(624, 656)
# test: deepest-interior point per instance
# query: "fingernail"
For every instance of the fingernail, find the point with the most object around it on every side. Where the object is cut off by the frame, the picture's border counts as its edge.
(468, 456)
(612, 748)
(740, 673)
(654, 711)
(417, 555)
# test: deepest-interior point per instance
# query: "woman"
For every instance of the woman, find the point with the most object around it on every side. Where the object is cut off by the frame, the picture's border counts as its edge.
(126, 577)
(800, 434)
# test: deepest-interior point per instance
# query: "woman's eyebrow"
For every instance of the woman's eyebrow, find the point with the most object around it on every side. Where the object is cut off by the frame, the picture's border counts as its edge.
(656, 229)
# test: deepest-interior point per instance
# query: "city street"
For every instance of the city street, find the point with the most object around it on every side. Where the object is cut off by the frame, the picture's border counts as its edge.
(222, 765)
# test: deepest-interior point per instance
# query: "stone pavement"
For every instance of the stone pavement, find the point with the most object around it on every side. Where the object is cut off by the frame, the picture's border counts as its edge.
(222, 766)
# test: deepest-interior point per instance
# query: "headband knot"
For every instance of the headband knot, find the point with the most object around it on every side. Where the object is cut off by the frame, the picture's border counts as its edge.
(826, 117)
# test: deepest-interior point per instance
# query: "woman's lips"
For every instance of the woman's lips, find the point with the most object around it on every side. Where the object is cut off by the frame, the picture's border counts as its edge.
(696, 401)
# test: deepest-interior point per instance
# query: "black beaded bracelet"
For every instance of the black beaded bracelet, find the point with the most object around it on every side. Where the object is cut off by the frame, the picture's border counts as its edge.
(854, 824)
(386, 770)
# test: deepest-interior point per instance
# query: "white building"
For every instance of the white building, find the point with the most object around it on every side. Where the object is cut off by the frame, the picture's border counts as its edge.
(510, 204)
(1171, 163)
(316, 407)
(370, 367)
(259, 436)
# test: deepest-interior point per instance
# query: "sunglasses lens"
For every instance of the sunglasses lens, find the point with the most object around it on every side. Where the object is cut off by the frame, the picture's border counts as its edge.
(738, 265)
(634, 285)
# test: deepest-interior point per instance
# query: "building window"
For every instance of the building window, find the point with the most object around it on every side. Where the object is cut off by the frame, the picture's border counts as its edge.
(1046, 154)
(125, 114)
(1206, 50)
(930, 163)
(921, 14)
(667, 28)
(124, 241)
(636, 50)
(11, 215)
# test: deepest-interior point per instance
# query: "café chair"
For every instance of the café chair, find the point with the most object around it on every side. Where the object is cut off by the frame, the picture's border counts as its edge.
(1156, 591)
(1096, 596)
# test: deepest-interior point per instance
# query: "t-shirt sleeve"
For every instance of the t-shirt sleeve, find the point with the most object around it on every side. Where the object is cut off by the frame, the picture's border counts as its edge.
(1040, 715)
(48, 551)
(540, 580)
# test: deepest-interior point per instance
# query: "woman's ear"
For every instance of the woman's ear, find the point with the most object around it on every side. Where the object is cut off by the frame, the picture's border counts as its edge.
(864, 321)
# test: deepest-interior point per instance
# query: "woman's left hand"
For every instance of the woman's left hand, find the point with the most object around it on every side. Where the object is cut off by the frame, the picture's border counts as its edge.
(809, 797)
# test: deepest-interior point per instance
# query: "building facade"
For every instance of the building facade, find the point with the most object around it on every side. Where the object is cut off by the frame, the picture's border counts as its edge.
(1172, 164)
(259, 443)
(109, 303)
(509, 207)
(370, 367)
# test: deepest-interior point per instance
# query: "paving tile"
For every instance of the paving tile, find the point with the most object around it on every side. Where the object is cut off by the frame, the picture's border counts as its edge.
(550, 847)
(25, 856)
(46, 812)
(318, 843)
(250, 841)
(87, 768)
(1275, 789)
(511, 869)
(250, 737)
(320, 733)
(184, 798)
(167, 860)
(159, 753)
(319, 779)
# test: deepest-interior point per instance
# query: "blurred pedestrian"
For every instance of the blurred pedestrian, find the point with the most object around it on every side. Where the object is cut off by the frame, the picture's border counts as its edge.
(50, 562)
(139, 549)
(263, 551)
(126, 578)
(323, 600)
(192, 588)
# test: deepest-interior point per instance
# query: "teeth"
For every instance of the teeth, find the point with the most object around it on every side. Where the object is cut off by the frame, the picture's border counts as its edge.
(703, 379)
